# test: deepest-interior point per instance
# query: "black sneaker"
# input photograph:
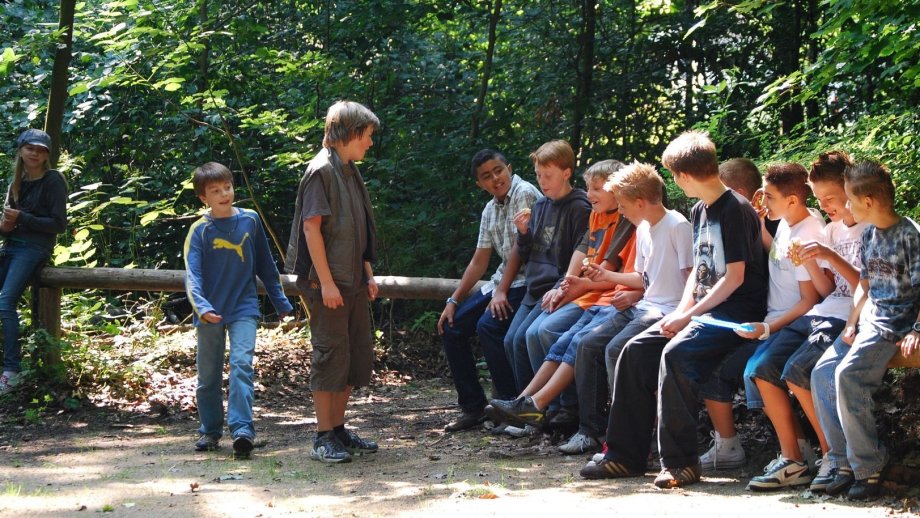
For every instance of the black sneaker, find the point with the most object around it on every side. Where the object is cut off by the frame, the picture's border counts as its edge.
(866, 489)
(242, 447)
(606, 468)
(327, 448)
(521, 409)
(842, 482)
(564, 418)
(355, 444)
(207, 443)
(466, 421)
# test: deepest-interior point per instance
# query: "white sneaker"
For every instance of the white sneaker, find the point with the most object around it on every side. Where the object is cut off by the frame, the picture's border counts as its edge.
(8, 380)
(808, 452)
(579, 443)
(724, 454)
(785, 473)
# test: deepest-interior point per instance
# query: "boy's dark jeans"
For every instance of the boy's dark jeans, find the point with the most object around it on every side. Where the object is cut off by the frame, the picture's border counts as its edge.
(675, 368)
(472, 317)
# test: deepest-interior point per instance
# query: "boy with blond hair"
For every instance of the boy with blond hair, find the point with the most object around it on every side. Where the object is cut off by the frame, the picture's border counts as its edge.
(885, 317)
(663, 261)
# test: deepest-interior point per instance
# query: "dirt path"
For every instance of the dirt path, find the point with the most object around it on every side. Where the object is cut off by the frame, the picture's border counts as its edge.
(104, 461)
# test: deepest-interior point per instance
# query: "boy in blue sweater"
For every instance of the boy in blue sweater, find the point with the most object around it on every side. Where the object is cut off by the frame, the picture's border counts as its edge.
(224, 253)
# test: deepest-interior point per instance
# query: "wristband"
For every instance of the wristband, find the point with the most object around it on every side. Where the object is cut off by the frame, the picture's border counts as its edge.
(766, 332)
(451, 300)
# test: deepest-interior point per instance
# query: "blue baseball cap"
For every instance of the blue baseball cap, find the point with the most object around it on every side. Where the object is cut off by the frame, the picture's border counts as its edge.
(34, 137)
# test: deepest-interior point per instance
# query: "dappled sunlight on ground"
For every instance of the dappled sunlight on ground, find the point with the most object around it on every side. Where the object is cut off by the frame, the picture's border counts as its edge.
(143, 466)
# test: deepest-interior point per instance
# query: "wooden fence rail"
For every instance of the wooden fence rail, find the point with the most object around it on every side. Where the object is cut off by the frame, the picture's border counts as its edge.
(47, 302)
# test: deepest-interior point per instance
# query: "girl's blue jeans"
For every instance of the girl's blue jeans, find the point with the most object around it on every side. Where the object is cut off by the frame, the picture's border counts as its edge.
(19, 261)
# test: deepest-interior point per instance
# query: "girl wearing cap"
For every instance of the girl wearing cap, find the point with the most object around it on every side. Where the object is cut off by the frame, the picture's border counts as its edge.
(34, 213)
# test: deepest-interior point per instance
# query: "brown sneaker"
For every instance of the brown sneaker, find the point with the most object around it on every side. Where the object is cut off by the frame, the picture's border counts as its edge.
(678, 477)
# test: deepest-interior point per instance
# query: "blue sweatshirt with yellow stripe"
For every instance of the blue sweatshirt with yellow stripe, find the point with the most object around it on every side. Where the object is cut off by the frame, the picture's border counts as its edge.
(223, 258)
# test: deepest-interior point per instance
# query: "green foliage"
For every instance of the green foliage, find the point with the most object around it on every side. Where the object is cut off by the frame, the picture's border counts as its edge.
(160, 86)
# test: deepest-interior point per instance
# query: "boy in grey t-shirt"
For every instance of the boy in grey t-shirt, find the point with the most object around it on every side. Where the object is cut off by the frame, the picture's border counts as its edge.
(887, 308)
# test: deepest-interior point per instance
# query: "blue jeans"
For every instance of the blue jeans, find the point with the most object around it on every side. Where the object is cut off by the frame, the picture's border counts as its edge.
(516, 344)
(19, 261)
(210, 360)
(546, 331)
(843, 383)
(473, 317)
(790, 354)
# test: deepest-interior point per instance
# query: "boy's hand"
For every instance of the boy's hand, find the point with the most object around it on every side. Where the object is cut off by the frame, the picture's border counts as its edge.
(752, 335)
(910, 344)
(521, 220)
(597, 273)
(372, 289)
(447, 316)
(499, 305)
(673, 323)
(211, 317)
(757, 203)
(332, 298)
(814, 250)
(578, 284)
(849, 334)
(624, 300)
(547, 301)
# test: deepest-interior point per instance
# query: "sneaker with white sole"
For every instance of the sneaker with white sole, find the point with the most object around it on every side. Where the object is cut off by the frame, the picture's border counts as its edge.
(786, 473)
(726, 453)
(580, 443)
(825, 475)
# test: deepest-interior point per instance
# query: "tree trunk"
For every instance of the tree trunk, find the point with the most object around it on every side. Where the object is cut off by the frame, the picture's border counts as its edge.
(584, 72)
(786, 37)
(487, 69)
(54, 117)
(204, 57)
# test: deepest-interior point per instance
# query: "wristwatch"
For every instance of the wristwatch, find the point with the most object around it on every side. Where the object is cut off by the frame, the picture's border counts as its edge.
(451, 300)
(915, 327)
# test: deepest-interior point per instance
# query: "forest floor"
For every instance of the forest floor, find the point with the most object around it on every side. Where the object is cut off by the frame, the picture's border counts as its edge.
(137, 458)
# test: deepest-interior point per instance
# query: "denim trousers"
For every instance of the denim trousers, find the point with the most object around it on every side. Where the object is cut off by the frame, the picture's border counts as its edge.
(842, 385)
(790, 355)
(211, 346)
(516, 344)
(19, 261)
(471, 318)
(544, 333)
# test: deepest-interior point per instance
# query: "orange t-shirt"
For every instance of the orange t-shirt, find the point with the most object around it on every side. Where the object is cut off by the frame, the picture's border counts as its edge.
(601, 228)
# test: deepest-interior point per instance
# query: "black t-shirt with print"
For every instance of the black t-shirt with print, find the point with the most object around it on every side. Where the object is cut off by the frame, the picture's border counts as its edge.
(725, 232)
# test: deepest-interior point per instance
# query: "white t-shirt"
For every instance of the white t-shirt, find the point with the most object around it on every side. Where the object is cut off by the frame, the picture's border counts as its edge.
(846, 242)
(662, 253)
(785, 276)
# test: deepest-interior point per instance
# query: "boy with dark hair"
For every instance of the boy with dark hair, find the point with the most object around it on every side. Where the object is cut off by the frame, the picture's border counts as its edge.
(488, 311)
(331, 248)
(675, 355)
(795, 287)
(886, 317)
(546, 239)
(225, 251)
(742, 176)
